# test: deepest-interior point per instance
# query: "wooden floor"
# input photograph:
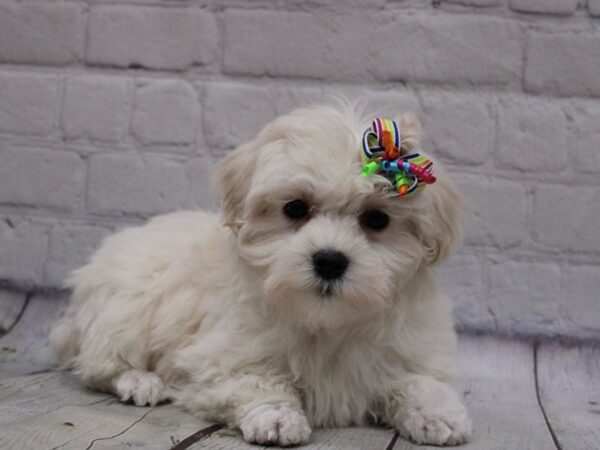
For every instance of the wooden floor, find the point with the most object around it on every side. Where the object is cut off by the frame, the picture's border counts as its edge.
(521, 396)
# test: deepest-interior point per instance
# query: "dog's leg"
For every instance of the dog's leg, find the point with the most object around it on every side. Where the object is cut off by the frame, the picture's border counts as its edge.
(266, 410)
(428, 411)
(141, 387)
(270, 424)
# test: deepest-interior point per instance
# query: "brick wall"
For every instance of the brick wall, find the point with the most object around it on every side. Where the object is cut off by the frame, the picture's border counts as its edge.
(114, 110)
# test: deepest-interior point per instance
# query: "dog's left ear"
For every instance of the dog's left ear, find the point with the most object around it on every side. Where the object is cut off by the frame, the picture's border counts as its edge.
(441, 228)
(233, 180)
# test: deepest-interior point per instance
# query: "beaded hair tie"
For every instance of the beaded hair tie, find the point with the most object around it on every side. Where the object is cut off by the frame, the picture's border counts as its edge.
(382, 154)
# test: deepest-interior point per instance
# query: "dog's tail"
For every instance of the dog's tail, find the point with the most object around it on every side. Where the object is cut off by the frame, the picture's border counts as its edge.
(64, 340)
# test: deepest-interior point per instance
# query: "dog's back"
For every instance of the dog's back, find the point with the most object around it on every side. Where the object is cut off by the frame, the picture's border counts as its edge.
(111, 317)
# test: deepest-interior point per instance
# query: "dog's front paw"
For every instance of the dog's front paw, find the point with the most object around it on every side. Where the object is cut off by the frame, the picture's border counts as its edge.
(450, 426)
(270, 425)
(143, 388)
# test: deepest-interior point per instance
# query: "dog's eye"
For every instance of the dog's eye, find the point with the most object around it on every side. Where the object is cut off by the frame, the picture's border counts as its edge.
(296, 209)
(375, 220)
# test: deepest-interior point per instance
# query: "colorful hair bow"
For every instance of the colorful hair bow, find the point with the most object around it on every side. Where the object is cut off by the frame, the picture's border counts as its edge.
(382, 154)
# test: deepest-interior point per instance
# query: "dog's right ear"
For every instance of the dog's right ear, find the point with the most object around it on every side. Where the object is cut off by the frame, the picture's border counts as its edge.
(233, 180)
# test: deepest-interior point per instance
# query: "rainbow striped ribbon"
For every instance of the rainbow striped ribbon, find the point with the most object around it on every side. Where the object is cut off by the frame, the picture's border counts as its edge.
(372, 144)
(409, 173)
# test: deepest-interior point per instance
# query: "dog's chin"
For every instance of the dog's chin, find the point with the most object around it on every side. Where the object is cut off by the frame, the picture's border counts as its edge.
(326, 290)
(316, 311)
(324, 305)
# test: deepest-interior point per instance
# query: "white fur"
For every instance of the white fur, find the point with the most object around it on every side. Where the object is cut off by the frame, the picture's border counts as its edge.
(227, 311)
(143, 388)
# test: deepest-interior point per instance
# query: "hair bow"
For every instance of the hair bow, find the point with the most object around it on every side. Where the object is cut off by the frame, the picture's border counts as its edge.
(382, 154)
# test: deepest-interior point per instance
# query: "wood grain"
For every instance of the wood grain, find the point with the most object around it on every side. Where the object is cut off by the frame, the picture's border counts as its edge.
(569, 388)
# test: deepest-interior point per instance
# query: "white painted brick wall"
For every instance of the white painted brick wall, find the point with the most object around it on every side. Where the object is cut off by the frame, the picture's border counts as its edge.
(152, 37)
(24, 250)
(165, 112)
(567, 219)
(48, 33)
(137, 184)
(95, 107)
(571, 68)
(41, 177)
(584, 135)
(28, 103)
(496, 211)
(69, 245)
(112, 111)
(531, 136)
(559, 7)
(445, 113)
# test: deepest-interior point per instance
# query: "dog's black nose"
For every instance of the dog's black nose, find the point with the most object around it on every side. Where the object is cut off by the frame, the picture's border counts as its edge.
(330, 264)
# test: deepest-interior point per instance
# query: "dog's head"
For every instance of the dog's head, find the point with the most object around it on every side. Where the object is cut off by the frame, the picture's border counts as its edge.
(332, 245)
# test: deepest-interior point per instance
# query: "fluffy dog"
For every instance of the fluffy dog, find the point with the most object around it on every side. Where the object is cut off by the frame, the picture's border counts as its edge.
(311, 301)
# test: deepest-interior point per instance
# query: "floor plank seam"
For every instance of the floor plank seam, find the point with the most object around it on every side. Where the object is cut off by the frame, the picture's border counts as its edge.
(91, 444)
(196, 437)
(393, 441)
(536, 346)
(42, 371)
(28, 297)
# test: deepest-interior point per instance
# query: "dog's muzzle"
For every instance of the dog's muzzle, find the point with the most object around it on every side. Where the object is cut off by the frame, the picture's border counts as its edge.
(329, 264)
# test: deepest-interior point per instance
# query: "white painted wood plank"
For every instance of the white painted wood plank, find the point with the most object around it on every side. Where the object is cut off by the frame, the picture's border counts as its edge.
(74, 427)
(25, 349)
(351, 438)
(11, 305)
(50, 399)
(569, 386)
(165, 427)
(224, 439)
(499, 387)
(65, 413)
(499, 384)
(501, 394)
(357, 438)
(22, 398)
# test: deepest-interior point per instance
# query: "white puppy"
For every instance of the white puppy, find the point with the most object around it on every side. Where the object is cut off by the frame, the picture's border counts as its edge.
(312, 302)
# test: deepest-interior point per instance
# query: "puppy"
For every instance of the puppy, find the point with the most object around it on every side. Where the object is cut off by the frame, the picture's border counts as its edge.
(310, 302)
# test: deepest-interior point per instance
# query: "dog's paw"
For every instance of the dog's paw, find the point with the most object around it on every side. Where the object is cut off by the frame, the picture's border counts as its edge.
(143, 388)
(436, 427)
(269, 425)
